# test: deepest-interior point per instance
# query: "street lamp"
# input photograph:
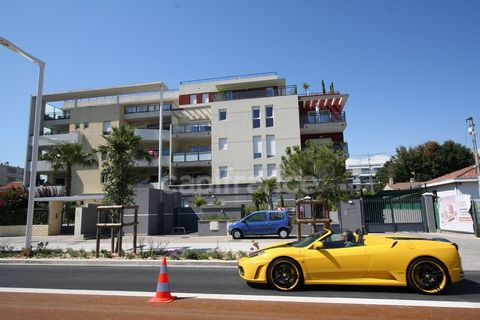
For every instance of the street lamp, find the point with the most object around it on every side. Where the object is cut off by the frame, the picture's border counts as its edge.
(473, 133)
(36, 129)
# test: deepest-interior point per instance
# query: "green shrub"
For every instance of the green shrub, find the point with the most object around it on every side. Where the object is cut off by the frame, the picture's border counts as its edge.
(198, 201)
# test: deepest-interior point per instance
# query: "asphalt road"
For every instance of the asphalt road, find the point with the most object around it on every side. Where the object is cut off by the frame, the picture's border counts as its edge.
(213, 280)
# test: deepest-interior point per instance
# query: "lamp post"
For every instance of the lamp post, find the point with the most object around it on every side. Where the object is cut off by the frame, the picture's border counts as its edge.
(36, 128)
(473, 133)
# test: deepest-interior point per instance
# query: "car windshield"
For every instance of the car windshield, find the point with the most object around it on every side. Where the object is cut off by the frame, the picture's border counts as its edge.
(307, 240)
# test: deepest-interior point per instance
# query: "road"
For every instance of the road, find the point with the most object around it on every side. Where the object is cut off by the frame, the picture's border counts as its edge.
(212, 280)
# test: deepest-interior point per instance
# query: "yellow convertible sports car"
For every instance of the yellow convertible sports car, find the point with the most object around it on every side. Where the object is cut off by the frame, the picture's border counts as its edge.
(426, 265)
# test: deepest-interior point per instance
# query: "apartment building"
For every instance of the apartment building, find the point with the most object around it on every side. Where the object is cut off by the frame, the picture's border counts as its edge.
(10, 173)
(363, 170)
(228, 131)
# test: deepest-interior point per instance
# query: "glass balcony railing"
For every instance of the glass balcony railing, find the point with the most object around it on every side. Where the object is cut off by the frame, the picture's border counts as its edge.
(256, 93)
(192, 156)
(192, 127)
(56, 116)
(322, 117)
(147, 108)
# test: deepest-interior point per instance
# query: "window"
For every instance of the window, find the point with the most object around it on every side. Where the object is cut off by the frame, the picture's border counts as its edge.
(258, 217)
(222, 114)
(193, 99)
(106, 127)
(130, 109)
(257, 147)
(256, 117)
(271, 170)
(85, 125)
(103, 178)
(142, 108)
(103, 156)
(270, 92)
(258, 171)
(222, 144)
(222, 172)
(77, 126)
(205, 98)
(276, 215)
(268, 116)
(270, 146)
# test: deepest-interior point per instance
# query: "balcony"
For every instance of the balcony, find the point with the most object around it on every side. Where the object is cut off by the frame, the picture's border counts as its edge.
(256, 93)
(192, 159)
(146, 111)
(192, 130)
(151, 135)
(56, 115)
(323, 122)
(45, 166)
(153, 163)
(341, 146)
(56, 139)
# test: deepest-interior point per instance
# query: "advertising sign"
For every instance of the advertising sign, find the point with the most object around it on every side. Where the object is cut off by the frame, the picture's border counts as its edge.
(455, 213)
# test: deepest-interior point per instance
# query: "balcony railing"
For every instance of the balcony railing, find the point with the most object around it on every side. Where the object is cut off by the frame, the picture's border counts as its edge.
(63, 115)
(258, 93)
(319, 118)
(343, 147)
(192, 127)
(237, 77)
(147, 108)
(192, 156)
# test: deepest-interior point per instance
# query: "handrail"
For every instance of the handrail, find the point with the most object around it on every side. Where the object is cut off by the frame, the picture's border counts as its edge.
(242, 76)
(192, 127)
(320, 118)
(192, 156)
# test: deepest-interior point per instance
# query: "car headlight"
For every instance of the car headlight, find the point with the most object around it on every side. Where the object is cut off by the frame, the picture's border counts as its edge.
(256, 253)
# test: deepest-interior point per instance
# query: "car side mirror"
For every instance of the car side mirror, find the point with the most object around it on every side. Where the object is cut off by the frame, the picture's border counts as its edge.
(318, 245)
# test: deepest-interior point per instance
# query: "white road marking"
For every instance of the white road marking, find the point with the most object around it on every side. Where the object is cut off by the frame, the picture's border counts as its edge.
(380, 302)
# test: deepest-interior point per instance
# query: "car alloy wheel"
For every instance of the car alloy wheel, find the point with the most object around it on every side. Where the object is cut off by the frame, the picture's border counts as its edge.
(427, 275)
(284, 274)
(237, 234)
(283, 234)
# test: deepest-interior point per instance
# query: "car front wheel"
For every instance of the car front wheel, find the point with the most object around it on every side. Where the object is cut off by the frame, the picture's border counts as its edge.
(284, 274)
(427, 276)
(237, 234)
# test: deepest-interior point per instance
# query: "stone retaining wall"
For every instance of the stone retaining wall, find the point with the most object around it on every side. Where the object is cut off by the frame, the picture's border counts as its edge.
(19, 231)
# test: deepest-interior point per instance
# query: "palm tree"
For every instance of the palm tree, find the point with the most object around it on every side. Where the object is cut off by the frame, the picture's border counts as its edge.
(269, 185)
(67, 155)
(305, 86)
(122, 149)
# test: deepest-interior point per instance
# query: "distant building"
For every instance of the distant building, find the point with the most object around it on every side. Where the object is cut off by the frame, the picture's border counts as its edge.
(463, 181)
(10, 173)
(404, 185)
(363, 170)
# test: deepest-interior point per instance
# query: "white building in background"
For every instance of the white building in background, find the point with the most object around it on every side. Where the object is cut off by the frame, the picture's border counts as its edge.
(363, 169)
(10, 173)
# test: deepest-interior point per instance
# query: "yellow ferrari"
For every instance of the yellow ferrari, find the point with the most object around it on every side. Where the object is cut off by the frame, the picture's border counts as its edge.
(426, 265)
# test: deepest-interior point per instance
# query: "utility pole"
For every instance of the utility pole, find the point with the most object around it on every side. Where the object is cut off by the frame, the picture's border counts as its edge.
(473, 133)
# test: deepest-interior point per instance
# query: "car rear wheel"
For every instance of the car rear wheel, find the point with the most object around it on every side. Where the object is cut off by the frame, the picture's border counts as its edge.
(237, 234)
(427, 276)
(283, 233)
(285, 274)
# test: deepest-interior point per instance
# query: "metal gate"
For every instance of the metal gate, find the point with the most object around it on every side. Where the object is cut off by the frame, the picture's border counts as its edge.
(405, 213)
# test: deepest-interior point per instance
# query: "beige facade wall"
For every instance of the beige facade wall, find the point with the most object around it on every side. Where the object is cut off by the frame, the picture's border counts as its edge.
(239, 131)
(19, 231)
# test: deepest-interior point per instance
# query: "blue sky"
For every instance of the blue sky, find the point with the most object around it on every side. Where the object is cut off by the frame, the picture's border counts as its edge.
(411, 67)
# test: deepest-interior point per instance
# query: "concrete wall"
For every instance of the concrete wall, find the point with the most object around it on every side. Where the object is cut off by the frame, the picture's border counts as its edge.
(19, 231)
(55, 209)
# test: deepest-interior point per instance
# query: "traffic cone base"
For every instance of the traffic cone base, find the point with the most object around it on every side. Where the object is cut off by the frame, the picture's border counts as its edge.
(163, 294)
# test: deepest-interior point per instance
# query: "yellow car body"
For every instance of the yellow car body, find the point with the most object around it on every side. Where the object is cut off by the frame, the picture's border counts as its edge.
(428, 265)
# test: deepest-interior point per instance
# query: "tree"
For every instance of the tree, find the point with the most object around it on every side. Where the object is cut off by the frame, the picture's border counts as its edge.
(316, 171)
(259, 198)
(324, 91)
(306, 86)
(122, 149)
(67, 155)
(268, 186)
(424, 162)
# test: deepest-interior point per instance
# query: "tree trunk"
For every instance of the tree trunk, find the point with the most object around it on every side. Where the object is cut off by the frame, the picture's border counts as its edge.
(68, 181)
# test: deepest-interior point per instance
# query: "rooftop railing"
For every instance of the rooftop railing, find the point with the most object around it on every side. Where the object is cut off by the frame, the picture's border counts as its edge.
(256, 93)
(242, 76)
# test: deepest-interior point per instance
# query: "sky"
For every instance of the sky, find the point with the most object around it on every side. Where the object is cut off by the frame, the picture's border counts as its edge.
(411, 67)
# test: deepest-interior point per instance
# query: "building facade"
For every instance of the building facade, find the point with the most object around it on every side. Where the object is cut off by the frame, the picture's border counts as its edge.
(364, 169)
(209, 133)
(10, 173)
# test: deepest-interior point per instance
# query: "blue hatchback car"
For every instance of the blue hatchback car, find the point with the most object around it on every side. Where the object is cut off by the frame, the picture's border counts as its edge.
(262, 223)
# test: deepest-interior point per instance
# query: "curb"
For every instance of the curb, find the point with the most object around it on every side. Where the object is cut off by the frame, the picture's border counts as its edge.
(114, 262)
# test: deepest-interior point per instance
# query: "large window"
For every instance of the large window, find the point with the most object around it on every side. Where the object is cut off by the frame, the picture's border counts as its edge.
(222, 114)
(107, 127)
(268, 116)
(270, 146)
(205, 98)
(271, 170)
(193, 99)
(223, 172)
(222, 144)
(257, 147)
(257, 171)
(256, 117)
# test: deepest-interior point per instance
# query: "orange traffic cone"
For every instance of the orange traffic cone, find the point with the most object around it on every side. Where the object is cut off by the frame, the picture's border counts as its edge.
(163, 294)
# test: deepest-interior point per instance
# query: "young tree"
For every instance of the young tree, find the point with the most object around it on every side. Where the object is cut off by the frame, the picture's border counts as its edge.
(306, 86)
(67, 155)
(324, 91)
(122, 149)
(317, 171)
(268, 186)
(259, 198)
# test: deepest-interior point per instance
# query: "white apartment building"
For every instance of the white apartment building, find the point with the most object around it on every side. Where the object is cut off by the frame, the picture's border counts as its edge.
(363, 170)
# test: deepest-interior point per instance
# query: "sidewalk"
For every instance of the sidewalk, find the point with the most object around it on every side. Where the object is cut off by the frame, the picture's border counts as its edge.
(469, 245)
